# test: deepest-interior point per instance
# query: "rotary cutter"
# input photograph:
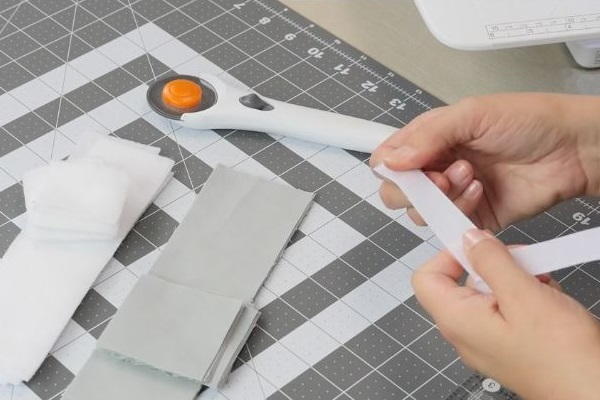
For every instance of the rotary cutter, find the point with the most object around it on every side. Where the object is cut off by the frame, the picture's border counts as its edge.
(208, 102)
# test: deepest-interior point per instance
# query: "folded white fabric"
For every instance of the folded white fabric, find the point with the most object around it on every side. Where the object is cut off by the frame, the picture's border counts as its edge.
(43, 282)
(75, 200)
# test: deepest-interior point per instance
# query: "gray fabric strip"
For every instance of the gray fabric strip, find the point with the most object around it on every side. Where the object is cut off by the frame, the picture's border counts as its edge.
(233, 235)
(186, 319)
(171, 327)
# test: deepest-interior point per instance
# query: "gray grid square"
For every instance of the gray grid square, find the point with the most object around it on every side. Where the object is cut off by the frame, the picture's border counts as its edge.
(140, 131)
(17, 45)
(175, 23)
(65, 18)
(365, 218)
(199, 171)
(407, 371)
(396, 239)
(96, 34)
(226, 26)
(541, 227)
(278, 88)
(367, 258)
(306, 176)
(277, 158)
(250, 142)
(342, 368)
(101, 8)
(310, 385)
(97, 331)
(375, 386)
(277, 58)
(51, 379)
(308, 298)
(360, 108)
(251, 13)
(123, 21)
(304, 75)
(201, 11)
(50, 112)
(458, 372)
(145, 68)
(251, 42)
(133, 247)
(8, 233)
(307, 100)
(403, 324)
(152, 9)
(414, 305)
(46, 31)
(278, 319)
(512, 235)
(434, 349)
(225, 56)
(336, 198)
(25, 15)
(331, 93)
(439, 388)
(251, 73)
(51, 7)
(69, 46)
(93, 310)
(338, 278)
(170, 149)
(39, 62)
(592, 268)
(200, 39)
(117, 82)
(374, 346)
(157, 228)
(276, 29)
(582, 288)
(7, 143)
(258, 341)
(27, 128)
(12, 201)
(88, 96)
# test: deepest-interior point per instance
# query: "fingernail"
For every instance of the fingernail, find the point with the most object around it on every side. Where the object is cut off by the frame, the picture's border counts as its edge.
(474, 236)
(458, 173)
(402, 153)
(473, 189)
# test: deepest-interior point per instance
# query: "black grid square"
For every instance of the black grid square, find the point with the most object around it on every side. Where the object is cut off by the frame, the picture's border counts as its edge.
(338, 278)
(365, 218)
(310, 385)
(407, 371)
(336, 198)
(374, 346)
(8, 233)
(50, 379)
(117, 82)
(96, 34)
(342, 368)
(251, 42)
(152, 9)
(279, 319)
(434, 349)
(65, 17)
(308, 298)
(28, 128)
(368, 259)
(39, 62)
(93, 310)
(277, 58)
(157, 228)
(101, 8)
(225, 56)
(278, 88)
(69, 47)
(403, 324)
(12, 201)
(226, 26)
(306, 176)
(17, 45)
(396, 239)
(46, 31)
(133, 247)
(175, 23)
(25, 15)
(88, 96)
(201, 11)
(200, 39)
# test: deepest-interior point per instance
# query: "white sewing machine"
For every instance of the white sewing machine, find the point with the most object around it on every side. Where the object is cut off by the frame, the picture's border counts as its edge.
(493, 24)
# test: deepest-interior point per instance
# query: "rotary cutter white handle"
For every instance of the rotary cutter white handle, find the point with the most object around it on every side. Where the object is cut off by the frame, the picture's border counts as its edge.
(239, 109)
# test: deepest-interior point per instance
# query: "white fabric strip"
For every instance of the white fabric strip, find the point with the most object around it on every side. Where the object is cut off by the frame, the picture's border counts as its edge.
(42, 283)
(449, 224)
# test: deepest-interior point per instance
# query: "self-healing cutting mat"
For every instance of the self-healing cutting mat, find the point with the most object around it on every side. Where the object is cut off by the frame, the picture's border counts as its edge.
(339, 319)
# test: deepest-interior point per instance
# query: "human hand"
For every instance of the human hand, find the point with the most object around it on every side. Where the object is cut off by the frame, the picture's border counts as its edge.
(501, 158)
(528, 335)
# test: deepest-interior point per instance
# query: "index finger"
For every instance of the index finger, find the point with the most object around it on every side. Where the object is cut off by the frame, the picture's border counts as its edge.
(436, 284)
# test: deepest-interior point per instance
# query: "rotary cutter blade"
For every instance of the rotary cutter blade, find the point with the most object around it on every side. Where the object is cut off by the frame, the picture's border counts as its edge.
(208, 102)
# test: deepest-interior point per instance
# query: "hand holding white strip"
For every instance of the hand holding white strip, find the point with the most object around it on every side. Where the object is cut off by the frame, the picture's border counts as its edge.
(449, 224)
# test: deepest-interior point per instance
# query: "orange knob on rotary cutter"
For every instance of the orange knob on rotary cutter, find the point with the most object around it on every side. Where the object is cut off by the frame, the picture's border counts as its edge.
(182, 94)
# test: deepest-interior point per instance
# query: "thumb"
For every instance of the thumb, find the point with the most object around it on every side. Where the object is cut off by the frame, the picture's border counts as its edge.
(428, 138)
(492, 261)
